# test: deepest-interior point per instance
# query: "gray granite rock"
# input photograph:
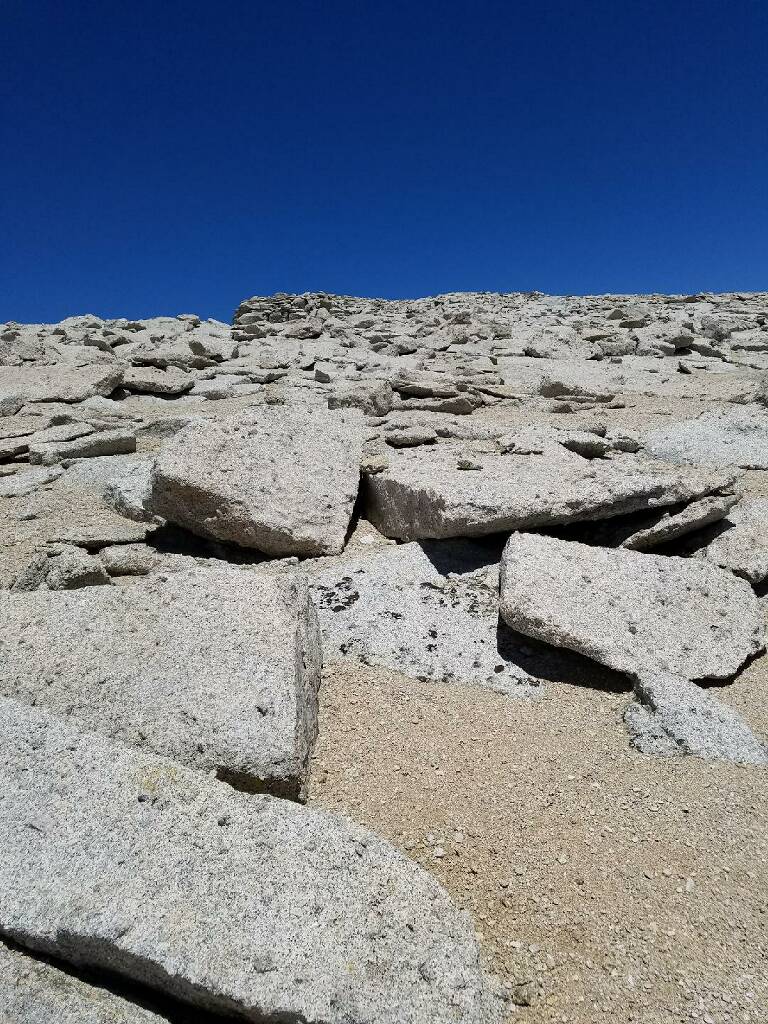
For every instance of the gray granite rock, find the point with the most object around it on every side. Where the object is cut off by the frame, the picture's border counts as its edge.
(153, 381)
(740, 541)
(430, 611)
(63, 382)
(673, 716)
(738, 437)
(280, 479)
(427, 493)
(214, 666)
(247, 905)
(637, 613)
(105, 442)
(128, 559)
(65, 567)
(34, 992)
(25, 481)
(672, 525)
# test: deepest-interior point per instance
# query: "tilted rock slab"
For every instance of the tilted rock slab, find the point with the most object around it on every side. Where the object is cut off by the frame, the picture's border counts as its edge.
(216, 667)
(740, 542)
(61, 382)
(672, 525)
(258, 907)
(430, 611)
(425, 493)
(673, 716)
(34, 992)
(637, 613)
(279, 479)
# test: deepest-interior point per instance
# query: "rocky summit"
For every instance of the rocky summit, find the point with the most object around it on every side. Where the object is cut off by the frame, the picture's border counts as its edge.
(305, 618)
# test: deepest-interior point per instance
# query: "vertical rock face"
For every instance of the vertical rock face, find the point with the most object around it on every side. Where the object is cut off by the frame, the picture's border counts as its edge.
(281, 480)
(637, 613)
(33, 992)
(216, 667)
(241, 904)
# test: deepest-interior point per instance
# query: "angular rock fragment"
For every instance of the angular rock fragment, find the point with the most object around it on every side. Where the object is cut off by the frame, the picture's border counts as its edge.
(673, 716)
(429, 611)
(28, 480)
(216, 667)
(104, 442)
(672, 525)
(639, 614)
(151, 380)
(244, 905)
(422, 495)
(740, 541)
(62, 382)
(128, 559)
(281, 480)
(63, 568)
(34, 992)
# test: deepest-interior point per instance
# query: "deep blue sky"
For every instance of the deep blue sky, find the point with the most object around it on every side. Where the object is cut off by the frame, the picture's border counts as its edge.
(166, 157)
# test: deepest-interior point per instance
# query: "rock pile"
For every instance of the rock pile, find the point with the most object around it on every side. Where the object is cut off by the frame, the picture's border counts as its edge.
(489, 490)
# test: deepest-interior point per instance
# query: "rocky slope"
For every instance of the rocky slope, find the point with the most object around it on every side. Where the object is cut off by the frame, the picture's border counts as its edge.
(499, 494)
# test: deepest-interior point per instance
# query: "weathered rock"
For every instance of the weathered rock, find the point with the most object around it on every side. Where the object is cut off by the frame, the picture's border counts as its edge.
(373, 397)
(239, 904)
(65, 568)
(673, 716)
(128, 490)
(280, 479)
(672, 525)
(34, 992)
(61, 383)
(128, 559)
(216, 667)
(153, 381)
(104, 442)
(28, 480)
(740, 542)
(429, 611)
(420, 496)
(736, 438)
(637, 613)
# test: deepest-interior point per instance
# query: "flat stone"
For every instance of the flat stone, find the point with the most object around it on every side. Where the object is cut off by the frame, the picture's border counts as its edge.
(672, 525)
(279, 479)
(738, 437)
(128, 559)
(430, 611)
(637, 613)
(246, 905)
(61, 382)
(216, 667)
(740, 541)
(34, 992)
(106, 442)
(423, 493)
(672, 716)
(151, 380)
(25, 481)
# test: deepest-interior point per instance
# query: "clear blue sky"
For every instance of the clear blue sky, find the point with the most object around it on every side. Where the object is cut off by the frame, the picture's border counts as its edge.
(166, 157)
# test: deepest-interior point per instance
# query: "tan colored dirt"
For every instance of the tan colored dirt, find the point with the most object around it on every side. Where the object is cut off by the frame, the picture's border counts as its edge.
(605, 885)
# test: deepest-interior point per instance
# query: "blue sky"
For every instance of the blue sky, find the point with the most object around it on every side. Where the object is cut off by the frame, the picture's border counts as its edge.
(172, 157)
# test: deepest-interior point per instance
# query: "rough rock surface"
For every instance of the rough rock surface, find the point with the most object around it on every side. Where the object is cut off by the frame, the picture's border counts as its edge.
(637, 613)
(216, 667)
(673, 716)
(282, 480)
(736, 438)
(672, 525)
(34, 992)
(740, 541)
(430, 611)
(439, 495)
(120, 859)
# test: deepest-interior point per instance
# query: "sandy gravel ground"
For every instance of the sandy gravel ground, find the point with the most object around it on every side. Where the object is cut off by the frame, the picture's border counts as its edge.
(605, 885)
